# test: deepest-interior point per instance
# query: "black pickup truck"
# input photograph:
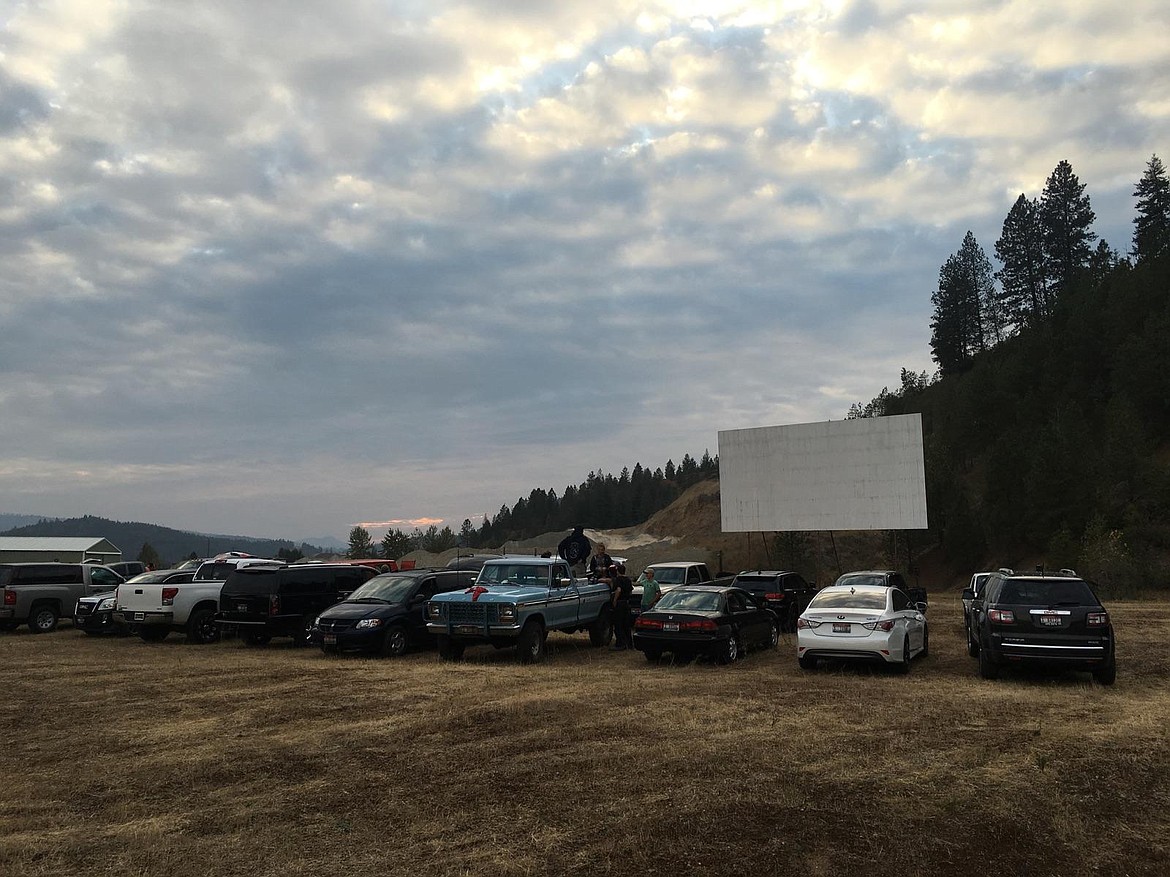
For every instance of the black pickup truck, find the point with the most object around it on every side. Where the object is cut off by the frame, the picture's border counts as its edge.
(784, 592)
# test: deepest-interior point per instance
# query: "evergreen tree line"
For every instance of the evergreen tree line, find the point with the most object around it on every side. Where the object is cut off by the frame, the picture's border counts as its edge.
(1046, 246)
(602, 500)
(1044, 425)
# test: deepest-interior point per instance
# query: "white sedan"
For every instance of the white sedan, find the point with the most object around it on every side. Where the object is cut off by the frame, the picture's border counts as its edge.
(867, 622)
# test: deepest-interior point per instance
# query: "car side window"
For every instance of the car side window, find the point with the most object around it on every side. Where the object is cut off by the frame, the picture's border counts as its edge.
(735, 602)
(900, 601)
(104, 577)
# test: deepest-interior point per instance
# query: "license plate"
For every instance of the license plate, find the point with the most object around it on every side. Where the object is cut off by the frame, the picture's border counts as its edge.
(468, 628)
(1050, 620)
(330, 639)
(670, 627)
(839, 627)
(139, 616)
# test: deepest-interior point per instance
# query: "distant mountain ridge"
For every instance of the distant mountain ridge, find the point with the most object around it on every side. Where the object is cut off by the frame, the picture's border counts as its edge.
(9, 521)
(172, 545)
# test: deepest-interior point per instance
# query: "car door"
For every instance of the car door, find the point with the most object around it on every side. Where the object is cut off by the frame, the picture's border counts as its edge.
(748, 619)
(564, 601)
(102, 580)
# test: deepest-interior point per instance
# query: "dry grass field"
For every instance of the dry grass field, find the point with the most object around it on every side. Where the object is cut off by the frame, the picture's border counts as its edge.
(125, 758)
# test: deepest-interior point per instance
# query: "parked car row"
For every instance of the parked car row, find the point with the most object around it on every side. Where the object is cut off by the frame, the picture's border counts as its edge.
(1009, 618)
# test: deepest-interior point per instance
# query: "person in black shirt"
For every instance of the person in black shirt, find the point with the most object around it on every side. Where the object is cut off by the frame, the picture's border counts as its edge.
(623, 619)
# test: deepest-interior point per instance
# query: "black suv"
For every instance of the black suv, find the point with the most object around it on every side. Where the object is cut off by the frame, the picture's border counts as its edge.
(385, 614)
(785, 593)
(263, 602)
(884, 578)
(1041, 618)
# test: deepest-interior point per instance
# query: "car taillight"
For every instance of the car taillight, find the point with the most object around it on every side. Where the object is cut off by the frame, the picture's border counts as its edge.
(802, 623)
(1001, 616)
(9, 597)
(692, 626)
(1097, 619)
(648, 624)
(879, 625)
(775, 598)
(168, 595)
(274, 605)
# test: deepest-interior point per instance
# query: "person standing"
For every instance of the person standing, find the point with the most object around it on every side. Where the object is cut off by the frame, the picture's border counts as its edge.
(651, 590)
(623, 619)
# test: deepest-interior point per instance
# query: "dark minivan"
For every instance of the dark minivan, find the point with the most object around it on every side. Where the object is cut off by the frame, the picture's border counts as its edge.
(263, 602)
(385, 615)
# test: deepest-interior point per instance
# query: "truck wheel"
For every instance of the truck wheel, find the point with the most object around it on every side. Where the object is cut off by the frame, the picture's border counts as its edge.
(728, 651)
(303, 634)
(201, 630)
(43, 618)
(396, 642)
(153, 633)
(530, 648)
(449, 649)
(601, 630)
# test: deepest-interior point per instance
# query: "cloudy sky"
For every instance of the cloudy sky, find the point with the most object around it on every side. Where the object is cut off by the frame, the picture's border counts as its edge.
(277, 268)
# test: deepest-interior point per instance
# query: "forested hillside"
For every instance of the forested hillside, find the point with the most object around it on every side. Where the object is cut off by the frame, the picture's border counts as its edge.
(1047, 429)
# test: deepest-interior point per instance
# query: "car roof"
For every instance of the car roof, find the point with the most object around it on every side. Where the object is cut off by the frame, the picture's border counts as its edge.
(767, 572)
(523, 560)
(675, 563)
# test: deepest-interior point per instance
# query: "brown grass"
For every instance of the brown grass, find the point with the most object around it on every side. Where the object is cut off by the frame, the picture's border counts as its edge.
(121, 757)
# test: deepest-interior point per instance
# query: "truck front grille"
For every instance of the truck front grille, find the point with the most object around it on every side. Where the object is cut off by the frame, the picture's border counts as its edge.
(473, 613)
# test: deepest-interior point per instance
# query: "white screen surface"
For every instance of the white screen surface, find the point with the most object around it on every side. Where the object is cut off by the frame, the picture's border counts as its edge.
(863, 474)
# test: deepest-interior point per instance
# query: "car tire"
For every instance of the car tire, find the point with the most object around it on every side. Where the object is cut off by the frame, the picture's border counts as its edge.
(925, 641)
(530, 648)
(396, 642)
(807, 662)
(153, 633)
(43, 618)
(728, 651)
(255, 639)
(988, 666)
(774, 637)
(201, 629)
(449, 648)
(653, 655)
(1106, 674)
(903, 667)
(601, 630)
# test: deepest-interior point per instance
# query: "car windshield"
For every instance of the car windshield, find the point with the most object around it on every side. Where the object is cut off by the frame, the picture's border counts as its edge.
(670, 575)
(514, 573)
(1051, 592)
(388, 588)
(849, 598)
(862, 579)
(689, 601)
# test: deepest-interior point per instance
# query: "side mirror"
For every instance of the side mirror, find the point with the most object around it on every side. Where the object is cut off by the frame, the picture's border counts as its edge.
(564, 583)
(921, 607)
(968, 594)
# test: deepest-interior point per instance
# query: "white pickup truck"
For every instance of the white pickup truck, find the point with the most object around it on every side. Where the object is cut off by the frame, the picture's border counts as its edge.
(154, 610)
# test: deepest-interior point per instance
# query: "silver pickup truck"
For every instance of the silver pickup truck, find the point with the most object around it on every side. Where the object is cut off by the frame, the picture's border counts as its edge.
(39, 594)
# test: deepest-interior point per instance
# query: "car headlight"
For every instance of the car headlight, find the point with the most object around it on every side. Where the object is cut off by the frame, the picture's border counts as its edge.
(507, 613)
(106, 605)
(367, 623)
(317, 621)
(434, 611)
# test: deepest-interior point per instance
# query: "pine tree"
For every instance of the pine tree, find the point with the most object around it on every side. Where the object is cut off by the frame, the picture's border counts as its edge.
(360, 544)
(960, 324)
(1151, 232)
(1020, 248)
(1065, 219)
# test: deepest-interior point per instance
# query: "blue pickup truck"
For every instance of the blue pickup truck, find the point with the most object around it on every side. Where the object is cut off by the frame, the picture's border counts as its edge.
(516, 601)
